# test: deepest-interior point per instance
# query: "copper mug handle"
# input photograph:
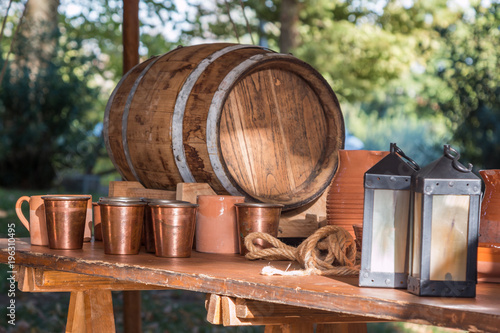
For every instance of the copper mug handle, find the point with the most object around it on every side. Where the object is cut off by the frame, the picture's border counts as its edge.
(19, 211)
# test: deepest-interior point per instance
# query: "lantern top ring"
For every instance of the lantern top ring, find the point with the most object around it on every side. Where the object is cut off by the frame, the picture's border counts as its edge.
(448, 150)
(400, 152)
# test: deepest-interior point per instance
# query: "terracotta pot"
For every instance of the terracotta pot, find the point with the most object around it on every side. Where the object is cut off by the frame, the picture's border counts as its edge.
(216, 226)
(488, 262)
(345, 199)
(489, 229)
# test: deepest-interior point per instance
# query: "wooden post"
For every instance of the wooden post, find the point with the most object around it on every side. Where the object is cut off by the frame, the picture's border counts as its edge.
(130, 39)
(130, 34)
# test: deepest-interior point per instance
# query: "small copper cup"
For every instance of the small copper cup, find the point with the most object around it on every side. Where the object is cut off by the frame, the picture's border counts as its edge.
(174, 224)
(148, 229)
(122, 221)
(257, 217)
(65, 217)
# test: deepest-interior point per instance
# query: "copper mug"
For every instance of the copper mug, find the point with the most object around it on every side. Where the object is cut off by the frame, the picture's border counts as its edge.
(36, 224)
(174, 225)
(148, 229)
(65, 217)
(257, 217)
(122, 221)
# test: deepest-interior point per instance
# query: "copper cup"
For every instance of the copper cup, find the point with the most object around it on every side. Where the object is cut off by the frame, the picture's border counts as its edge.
(65, 217)
(257, 217)
(122, 222)
(148, 229)
(174, 224)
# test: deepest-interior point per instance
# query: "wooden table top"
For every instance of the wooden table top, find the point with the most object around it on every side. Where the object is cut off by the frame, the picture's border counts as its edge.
(233, 275)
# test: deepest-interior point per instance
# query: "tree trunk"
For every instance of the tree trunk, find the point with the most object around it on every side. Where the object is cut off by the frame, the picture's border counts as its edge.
(289, 17)
(36, 46)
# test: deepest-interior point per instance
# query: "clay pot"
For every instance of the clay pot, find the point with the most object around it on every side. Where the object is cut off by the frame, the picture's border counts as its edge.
(345, 199)
(489, 227)
(216, 225)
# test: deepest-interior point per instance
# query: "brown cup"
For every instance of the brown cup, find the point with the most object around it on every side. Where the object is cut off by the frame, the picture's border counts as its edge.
(36, 224)
(122, 221)
(257, 217)
(174, 224)
(216, 227)
(65, 217)
(148, 229)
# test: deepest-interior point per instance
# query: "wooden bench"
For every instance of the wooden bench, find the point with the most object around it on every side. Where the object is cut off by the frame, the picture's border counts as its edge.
(237, 293)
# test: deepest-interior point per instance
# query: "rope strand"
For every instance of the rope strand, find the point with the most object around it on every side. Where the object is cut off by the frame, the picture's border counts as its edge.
(331, 250)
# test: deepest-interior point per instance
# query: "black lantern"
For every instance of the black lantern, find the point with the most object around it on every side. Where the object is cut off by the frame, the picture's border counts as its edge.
(445, 228)
(384, 255)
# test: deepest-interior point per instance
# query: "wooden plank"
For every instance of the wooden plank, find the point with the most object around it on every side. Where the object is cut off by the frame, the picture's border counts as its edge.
(40, 280)
(190, 191)
(135, 189)
(234, 276)
(304, 221)
(250, 309)
(213, 305)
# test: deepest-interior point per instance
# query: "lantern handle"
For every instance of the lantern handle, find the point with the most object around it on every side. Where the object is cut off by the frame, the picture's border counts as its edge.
(400, 152)
(456, 164)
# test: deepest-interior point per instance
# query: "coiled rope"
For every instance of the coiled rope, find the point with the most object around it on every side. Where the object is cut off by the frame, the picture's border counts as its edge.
(331, 250)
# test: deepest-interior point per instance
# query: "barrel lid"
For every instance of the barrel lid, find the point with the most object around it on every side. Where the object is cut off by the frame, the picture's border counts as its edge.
(66, 197)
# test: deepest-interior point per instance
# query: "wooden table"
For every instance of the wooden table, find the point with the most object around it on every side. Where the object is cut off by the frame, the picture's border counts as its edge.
(237, 293)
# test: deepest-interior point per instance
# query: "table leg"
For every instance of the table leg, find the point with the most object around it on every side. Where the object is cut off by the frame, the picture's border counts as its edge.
(90, 311)
(306, 327)
(342, 328)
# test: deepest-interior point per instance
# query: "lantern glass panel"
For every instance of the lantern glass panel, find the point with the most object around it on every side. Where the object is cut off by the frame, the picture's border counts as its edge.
(450, 224)
(417, 236)
(390, 224)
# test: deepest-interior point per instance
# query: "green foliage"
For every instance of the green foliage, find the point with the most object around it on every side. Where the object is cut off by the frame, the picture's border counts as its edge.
(44, 123)
(466, 83)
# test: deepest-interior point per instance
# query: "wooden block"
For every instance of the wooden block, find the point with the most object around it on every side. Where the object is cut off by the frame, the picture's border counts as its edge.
(304, 221)
(39, 280)
(242, 312)
(214, 309)
(190, 191)
(135, 189)
(250, 309)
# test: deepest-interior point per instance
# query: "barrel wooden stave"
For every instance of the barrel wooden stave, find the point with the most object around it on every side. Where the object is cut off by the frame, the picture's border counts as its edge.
(279, 125)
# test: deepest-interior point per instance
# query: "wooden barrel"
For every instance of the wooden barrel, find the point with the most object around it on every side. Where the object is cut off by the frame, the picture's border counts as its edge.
(244, 119)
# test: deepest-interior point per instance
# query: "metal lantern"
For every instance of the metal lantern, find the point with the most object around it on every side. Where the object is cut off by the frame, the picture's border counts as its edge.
(384, 255)
(446, 201)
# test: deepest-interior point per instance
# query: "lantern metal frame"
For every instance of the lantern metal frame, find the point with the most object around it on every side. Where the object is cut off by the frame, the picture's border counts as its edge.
(438, 178)
(391, 173)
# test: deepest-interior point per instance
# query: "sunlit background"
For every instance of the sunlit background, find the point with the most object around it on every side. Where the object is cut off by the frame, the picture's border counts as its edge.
(418, 73)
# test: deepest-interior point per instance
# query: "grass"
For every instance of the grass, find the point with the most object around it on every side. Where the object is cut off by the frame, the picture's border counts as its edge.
(162, 310)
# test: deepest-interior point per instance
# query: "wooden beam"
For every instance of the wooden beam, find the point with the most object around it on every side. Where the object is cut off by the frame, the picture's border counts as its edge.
(130, 34)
